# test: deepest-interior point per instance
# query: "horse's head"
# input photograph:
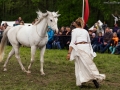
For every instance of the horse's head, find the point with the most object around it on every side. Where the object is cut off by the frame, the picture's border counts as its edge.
(52, 20)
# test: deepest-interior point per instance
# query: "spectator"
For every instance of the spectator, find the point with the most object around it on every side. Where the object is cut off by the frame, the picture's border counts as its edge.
(1, 33)
(61, 39)
(114, 43)
(22, 23)
(106, 40)
(0, 27)
(72, 26)
(63, 36)
(4, 26)
(34, 21)
(118, 34)
(115, 28)
(95, 28)
(117, 51)
(56, 43)
(100, 40)
(94, 42)
(50, 38)
(16, 23)
(63, 30)
(86, 27)
(20, 19)
(104, 26)
(90, 34)
(68, 37)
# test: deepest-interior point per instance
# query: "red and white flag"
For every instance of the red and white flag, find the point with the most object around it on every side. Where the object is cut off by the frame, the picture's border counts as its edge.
(86, 11)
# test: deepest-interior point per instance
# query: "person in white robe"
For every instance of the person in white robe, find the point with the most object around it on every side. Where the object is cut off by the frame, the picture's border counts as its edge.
(80, 50)
(115, 18)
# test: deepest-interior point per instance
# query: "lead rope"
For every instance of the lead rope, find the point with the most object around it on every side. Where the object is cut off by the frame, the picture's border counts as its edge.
(38, 33)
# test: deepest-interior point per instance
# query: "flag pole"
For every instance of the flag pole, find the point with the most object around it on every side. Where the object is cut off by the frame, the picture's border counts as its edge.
(83, 10)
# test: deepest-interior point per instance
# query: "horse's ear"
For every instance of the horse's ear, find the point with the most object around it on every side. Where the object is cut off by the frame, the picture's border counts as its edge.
(57, 12)
(58, 15)
(48, 12)
(37, 12)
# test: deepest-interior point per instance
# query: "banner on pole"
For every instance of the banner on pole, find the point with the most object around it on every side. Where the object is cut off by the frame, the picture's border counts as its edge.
(86, 11)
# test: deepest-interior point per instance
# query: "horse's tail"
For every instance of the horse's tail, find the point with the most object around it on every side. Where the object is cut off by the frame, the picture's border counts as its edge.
(3, 43)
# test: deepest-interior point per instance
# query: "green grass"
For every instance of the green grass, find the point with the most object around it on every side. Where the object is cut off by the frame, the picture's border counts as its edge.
(59, 72)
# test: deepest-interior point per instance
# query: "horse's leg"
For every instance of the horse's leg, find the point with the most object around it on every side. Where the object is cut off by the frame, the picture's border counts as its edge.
(16, 48)
(42, 59)
(33, 49)
(12, 52)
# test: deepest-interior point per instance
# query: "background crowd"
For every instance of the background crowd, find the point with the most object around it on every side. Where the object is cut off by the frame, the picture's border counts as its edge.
(103, 38)
(106, 40)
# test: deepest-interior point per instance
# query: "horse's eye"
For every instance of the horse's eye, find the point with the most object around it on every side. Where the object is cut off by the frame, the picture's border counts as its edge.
(51, 20)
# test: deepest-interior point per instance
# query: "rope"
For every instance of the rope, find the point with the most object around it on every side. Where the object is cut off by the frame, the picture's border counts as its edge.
(38, 33)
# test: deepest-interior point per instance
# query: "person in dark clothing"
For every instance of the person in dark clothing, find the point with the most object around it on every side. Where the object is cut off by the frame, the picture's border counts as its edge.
(72, 26)
(56, 43)
(61, 40)
(106, 40)
(97, 41)
(104, 26)
(94, 42)
(67, 37)
(117, 51)
(86, 27)
(90, 34)
(100, 41)
(118, 34)
(1, 33)
(62, 37)
(115, 28)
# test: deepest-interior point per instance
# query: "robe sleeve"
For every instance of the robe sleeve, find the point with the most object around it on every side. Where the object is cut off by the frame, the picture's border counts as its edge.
(72, 44)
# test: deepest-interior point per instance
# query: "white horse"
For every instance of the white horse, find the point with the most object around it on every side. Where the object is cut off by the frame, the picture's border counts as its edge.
(31, 36)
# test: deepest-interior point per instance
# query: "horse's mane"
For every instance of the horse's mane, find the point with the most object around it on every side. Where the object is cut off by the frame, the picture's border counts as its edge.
(39, 16)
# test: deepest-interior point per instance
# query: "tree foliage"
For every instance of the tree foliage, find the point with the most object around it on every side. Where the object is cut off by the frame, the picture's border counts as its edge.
(69, 10)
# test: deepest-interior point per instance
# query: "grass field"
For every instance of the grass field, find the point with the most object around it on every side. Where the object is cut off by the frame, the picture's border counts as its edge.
(59, 72)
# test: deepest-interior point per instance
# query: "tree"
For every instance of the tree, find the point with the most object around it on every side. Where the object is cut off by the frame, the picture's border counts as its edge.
(69, 10)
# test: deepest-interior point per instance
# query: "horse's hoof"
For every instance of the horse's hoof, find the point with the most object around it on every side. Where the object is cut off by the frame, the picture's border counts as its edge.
(43, 74)
(24, 70)
(5, 69)
(28, 72)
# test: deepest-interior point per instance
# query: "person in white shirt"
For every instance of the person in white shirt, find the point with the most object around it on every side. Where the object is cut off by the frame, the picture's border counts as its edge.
(80, 50)
(115, 18)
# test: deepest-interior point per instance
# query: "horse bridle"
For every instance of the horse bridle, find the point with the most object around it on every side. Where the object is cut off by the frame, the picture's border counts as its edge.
(54, 21)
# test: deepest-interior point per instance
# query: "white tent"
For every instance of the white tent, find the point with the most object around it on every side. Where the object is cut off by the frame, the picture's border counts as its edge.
(10, 23)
